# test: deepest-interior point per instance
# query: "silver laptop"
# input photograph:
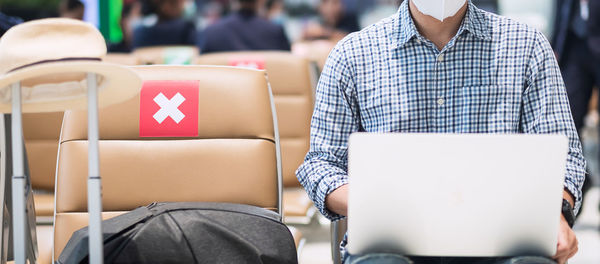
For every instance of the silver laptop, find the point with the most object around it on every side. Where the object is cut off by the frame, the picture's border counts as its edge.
(455, 195)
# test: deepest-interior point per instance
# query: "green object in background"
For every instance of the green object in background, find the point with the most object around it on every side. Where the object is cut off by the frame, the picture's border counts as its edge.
(116, 34)
(110, 18)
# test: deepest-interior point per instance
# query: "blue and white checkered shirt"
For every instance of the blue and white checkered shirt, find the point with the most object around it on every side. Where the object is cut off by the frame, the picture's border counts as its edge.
(494, 76)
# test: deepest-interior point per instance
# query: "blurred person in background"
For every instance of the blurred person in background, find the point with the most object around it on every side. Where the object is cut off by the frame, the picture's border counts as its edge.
(244, 29)
(71, 9)
(576, 42)
(210, 11)
(334, 22)
(275, 11)
(130, 14)
(6, 22)
(165, 27)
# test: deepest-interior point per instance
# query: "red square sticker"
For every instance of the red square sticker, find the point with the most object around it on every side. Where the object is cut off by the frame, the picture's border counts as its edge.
(248, 62)
(169, 109)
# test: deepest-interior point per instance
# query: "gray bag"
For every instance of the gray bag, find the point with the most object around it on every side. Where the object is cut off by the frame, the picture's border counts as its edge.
(192, 232)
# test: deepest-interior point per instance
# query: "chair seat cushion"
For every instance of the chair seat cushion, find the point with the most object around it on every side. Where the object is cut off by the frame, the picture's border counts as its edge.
(44, 204)
(296, 202)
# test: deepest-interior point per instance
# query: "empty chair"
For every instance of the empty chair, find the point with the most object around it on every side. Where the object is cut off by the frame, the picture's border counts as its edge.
(172, 55)
(291, 81)
(316, 51)
(126, 59)
(217, 143)
(42, 132)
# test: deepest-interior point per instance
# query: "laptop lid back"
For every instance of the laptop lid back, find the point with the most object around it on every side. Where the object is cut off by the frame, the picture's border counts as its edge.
(455, 195)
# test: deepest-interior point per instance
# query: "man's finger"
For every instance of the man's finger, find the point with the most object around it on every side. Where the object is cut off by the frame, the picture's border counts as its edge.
(573, 243)
(562, 255)
(562, 260)
(573, 252)
(562, 250)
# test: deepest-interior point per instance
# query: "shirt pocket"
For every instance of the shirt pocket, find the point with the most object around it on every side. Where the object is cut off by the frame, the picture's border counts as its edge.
(486, 109)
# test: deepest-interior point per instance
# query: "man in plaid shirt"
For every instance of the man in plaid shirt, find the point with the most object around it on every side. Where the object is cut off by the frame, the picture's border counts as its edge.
(461, 70)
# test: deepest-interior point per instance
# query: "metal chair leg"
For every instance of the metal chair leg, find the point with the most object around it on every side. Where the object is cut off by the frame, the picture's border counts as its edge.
(338, 230)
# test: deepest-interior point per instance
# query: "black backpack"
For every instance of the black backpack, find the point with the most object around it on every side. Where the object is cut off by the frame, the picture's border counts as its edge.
(191, 232)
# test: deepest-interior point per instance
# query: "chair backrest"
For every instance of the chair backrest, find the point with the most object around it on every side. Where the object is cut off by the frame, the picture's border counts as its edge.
(42, 132)
(175, 55)
(316, 50)
(127, 59)
(290, 79)
(231, 154)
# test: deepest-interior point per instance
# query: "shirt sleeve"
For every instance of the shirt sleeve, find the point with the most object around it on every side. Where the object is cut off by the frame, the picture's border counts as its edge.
(546, 110)
(334, 118)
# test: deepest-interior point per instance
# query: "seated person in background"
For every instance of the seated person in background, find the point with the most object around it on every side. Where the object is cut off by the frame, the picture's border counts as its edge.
(244, 29)
(129, 14)
(275, 11)
(167, 28)
(71, 9)
(6, 22)
(334, 22)
(435, 68)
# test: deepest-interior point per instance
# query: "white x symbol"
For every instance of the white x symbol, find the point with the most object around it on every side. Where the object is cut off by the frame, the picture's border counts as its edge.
(248, 64)
(168, 108)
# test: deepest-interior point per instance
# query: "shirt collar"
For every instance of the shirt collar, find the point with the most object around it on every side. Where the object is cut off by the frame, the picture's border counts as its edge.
(475, 22)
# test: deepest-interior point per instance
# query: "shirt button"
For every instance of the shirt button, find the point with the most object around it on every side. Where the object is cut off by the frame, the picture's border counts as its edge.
(440, 58)
(441, 101)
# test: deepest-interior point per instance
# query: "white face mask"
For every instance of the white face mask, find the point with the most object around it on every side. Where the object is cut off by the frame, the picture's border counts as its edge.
(439, 9)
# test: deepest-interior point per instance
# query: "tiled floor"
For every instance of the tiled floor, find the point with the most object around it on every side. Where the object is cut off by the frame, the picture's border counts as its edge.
(317, 249)
(587, 226)
(587, 229)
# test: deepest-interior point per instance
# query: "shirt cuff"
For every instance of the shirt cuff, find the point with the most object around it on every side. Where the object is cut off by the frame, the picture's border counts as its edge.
(572, 188)
(327, 186)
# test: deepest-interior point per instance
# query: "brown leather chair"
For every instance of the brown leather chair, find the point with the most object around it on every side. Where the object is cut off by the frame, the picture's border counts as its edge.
(41, 132)
(122, 59)
(234, 158)
(316, 51)
(290, 79)
(175, 55)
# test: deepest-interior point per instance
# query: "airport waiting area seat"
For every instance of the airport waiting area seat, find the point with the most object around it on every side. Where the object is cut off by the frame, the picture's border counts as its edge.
(42, 132)
(232, 158)
(316, 51)
(172, 55)
(292, 83)
(125, 59)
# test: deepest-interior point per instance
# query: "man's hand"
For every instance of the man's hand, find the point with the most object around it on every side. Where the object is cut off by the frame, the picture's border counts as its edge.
(337, 201)
(567, 242)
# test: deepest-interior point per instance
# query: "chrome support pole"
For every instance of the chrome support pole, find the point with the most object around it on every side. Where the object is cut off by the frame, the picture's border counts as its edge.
(18, 177)
(277, 154)
(94, 185)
